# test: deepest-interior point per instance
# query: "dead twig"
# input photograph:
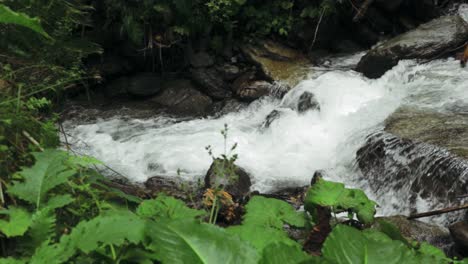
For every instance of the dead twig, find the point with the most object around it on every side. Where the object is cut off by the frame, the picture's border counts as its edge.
(439, 212)
(362, 10)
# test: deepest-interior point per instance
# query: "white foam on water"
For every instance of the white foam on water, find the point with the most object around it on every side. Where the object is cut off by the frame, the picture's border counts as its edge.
(294, 146)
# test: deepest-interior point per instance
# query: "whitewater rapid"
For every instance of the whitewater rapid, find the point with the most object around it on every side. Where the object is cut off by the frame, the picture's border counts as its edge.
(294, 146)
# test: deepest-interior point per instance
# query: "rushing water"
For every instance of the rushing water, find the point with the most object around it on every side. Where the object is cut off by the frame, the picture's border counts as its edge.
(295, 145)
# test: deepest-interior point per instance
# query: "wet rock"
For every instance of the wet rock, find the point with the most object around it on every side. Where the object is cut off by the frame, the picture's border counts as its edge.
(229, 71)
(254, 90)
(425, 42)
(278, 62)
(142, 84)
(271, 117)
(448, 130)
(307, 101)
(180, 97)
(247, 88)
(201, 59)
(173, 187)
(109, 66)
(459, 232)
(415, 172)
(292, 195)
(238, 187)
(211, 82)
(419, 231)
(227, 106)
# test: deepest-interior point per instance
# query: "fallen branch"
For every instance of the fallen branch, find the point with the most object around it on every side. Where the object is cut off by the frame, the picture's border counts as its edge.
(317, 29)
(439, 212)
(362, 10)
(32, 140)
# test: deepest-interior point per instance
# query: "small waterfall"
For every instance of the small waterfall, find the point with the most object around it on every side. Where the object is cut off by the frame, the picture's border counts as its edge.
(295, 144)
(425, 177)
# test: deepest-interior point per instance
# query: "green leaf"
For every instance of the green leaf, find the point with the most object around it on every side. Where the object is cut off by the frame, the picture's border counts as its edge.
(348, 245)
(59, 201)
(335, 195)
(186, 241)
(270, 212)
(11, 17)
(167, 207)
(18, 224)
(261, 237)
(49, 171)
(116, 228)
(42, 229)
(113, 228)
(279, 253)
(264, 220)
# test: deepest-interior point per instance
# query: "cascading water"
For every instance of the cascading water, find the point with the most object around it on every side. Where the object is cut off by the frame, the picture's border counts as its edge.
(295, 144)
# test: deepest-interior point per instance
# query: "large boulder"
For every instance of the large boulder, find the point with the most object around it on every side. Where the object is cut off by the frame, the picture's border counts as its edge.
(419, 231)
(180, 97)
(427, 41)
(211, 82)
(140, 85)
(218, 175)
(278, 62)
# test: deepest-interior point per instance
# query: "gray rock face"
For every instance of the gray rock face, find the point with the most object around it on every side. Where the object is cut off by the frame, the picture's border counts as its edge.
(180, 97)
(271, 117)
(459, 232)
(238, 187)
(211, 82)
(425, 42)
(227, 106)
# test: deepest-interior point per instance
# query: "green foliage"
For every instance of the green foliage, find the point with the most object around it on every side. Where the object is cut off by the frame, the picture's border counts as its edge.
(167, 207)
(348, 245)
(191, 242)
(280, 253)
(261, 211)
(335, 195)
(50, 170)
(19, 221)
(11, 17)
(264, 220)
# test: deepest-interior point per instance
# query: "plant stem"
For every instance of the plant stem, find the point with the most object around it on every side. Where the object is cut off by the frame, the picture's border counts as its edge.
(114, 257)
(215, 202)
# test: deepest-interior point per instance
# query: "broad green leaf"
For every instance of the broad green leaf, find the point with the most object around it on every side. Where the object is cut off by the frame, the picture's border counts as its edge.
(186, 241)
(264, 220)
(167, 207)
(270, 212)
(49, 171)
(18, 223)
(260, 237)
(11, 17)
(279, 253)
(335, 195)
(348, 245)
